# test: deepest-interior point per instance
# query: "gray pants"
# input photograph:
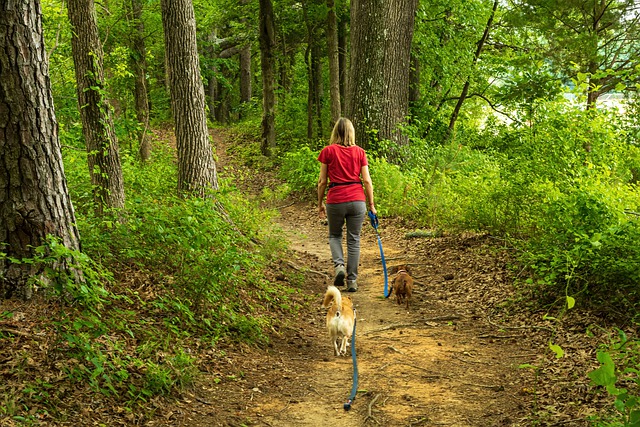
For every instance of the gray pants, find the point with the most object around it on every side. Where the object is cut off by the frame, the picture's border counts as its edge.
(353, 213)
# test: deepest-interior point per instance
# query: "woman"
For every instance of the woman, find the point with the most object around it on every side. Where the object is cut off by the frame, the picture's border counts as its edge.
(345, 165)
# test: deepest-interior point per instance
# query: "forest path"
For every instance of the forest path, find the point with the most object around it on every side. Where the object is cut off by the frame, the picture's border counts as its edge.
(442, 362)
(434, 364)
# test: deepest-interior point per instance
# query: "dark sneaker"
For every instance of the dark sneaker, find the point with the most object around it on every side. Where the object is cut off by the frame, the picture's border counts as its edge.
(338, 280)
(352, 286)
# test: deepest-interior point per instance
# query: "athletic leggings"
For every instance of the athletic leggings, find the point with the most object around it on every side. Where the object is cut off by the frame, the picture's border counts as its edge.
(353, 213)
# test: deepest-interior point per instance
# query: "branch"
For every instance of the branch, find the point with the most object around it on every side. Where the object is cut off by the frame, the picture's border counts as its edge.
(493, 107)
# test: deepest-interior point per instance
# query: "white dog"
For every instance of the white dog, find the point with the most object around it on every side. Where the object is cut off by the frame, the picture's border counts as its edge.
(339, 319)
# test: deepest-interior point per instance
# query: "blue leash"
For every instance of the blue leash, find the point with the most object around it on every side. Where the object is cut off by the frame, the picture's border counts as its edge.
(354, 389)
(374, 224)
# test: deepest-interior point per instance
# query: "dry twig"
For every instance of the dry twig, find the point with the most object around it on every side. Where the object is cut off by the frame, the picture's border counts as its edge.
(369, 410)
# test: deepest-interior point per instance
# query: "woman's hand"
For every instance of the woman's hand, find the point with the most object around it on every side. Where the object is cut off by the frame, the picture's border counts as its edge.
(322, 211)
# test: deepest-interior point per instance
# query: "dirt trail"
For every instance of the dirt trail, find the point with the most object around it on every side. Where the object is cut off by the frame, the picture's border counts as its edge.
(433, 364)
(443, 362)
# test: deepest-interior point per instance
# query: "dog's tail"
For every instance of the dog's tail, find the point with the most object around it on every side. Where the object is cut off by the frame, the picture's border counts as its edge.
(332, 294)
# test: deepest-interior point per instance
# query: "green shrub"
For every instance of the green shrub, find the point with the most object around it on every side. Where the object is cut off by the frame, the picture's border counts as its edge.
(300, 169)
(618, 376)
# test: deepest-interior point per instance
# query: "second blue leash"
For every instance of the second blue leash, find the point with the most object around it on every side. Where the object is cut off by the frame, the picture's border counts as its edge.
(354, 388)
(374, 223)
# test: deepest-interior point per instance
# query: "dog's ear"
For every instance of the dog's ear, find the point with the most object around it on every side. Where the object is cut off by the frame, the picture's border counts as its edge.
(408, 270)
(393, 269)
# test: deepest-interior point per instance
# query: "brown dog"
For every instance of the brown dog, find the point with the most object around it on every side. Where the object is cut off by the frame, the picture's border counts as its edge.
(340, 318)
(402, 284)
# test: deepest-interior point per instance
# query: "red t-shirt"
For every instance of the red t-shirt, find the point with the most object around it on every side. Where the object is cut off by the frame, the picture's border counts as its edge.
(344, 165)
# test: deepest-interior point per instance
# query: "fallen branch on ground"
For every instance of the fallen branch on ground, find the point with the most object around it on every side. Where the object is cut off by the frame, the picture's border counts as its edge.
(370, 410)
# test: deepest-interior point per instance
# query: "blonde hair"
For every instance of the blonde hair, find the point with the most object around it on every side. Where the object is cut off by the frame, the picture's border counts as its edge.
(343, 133)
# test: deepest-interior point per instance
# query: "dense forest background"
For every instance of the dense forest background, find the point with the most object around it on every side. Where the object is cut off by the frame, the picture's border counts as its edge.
(517, 118)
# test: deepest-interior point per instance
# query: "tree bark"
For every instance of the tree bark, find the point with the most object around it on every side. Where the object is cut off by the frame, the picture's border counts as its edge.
(365, 85)
(314, 77)
(245, 68)
(97, 122)
(245, 74)
(34, 201)
(197, 174)
(414, 81)
(334, 63)
(267, 57)
(399, 25)
(139, 65)
(342, 52)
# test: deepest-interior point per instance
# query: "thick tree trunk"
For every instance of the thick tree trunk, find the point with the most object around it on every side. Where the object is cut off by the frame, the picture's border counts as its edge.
(34, 201)
(378, 86)
(267, 55)
(365, 85)
(196, 167)
(399, 24)
(139, 65)
(334, 63)
(97, 122)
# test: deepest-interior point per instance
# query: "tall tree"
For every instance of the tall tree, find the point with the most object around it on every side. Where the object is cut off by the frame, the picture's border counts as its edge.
(314, 71)
(245, 65)
(399, 25)
(378, 85)
(33, 189)
(365, 85)
(343, 20)
(139, 66)
(97, 122)
(196, 167)
(334, 62)
(267, 59)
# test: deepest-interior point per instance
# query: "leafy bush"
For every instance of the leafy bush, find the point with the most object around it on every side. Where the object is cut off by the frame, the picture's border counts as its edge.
(394, 191)
(619, 375)
(300, 169)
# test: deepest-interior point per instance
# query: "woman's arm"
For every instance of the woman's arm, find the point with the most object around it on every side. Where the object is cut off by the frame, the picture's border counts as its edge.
(368, 187)
(322, 186)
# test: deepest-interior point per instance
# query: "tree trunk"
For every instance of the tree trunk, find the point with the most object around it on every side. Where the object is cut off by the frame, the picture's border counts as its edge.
(97, 123)
(211, 88)
(365, 85)
(414, 81)
(196, 167)
(34, 201)
(222, 102)
(334, 64)
(139, 65)
(307, 61)
(342, 52)
(267, 55)
(399, 24)
(245, 74)
(314, 77)
(245, 68)
(318, 89)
